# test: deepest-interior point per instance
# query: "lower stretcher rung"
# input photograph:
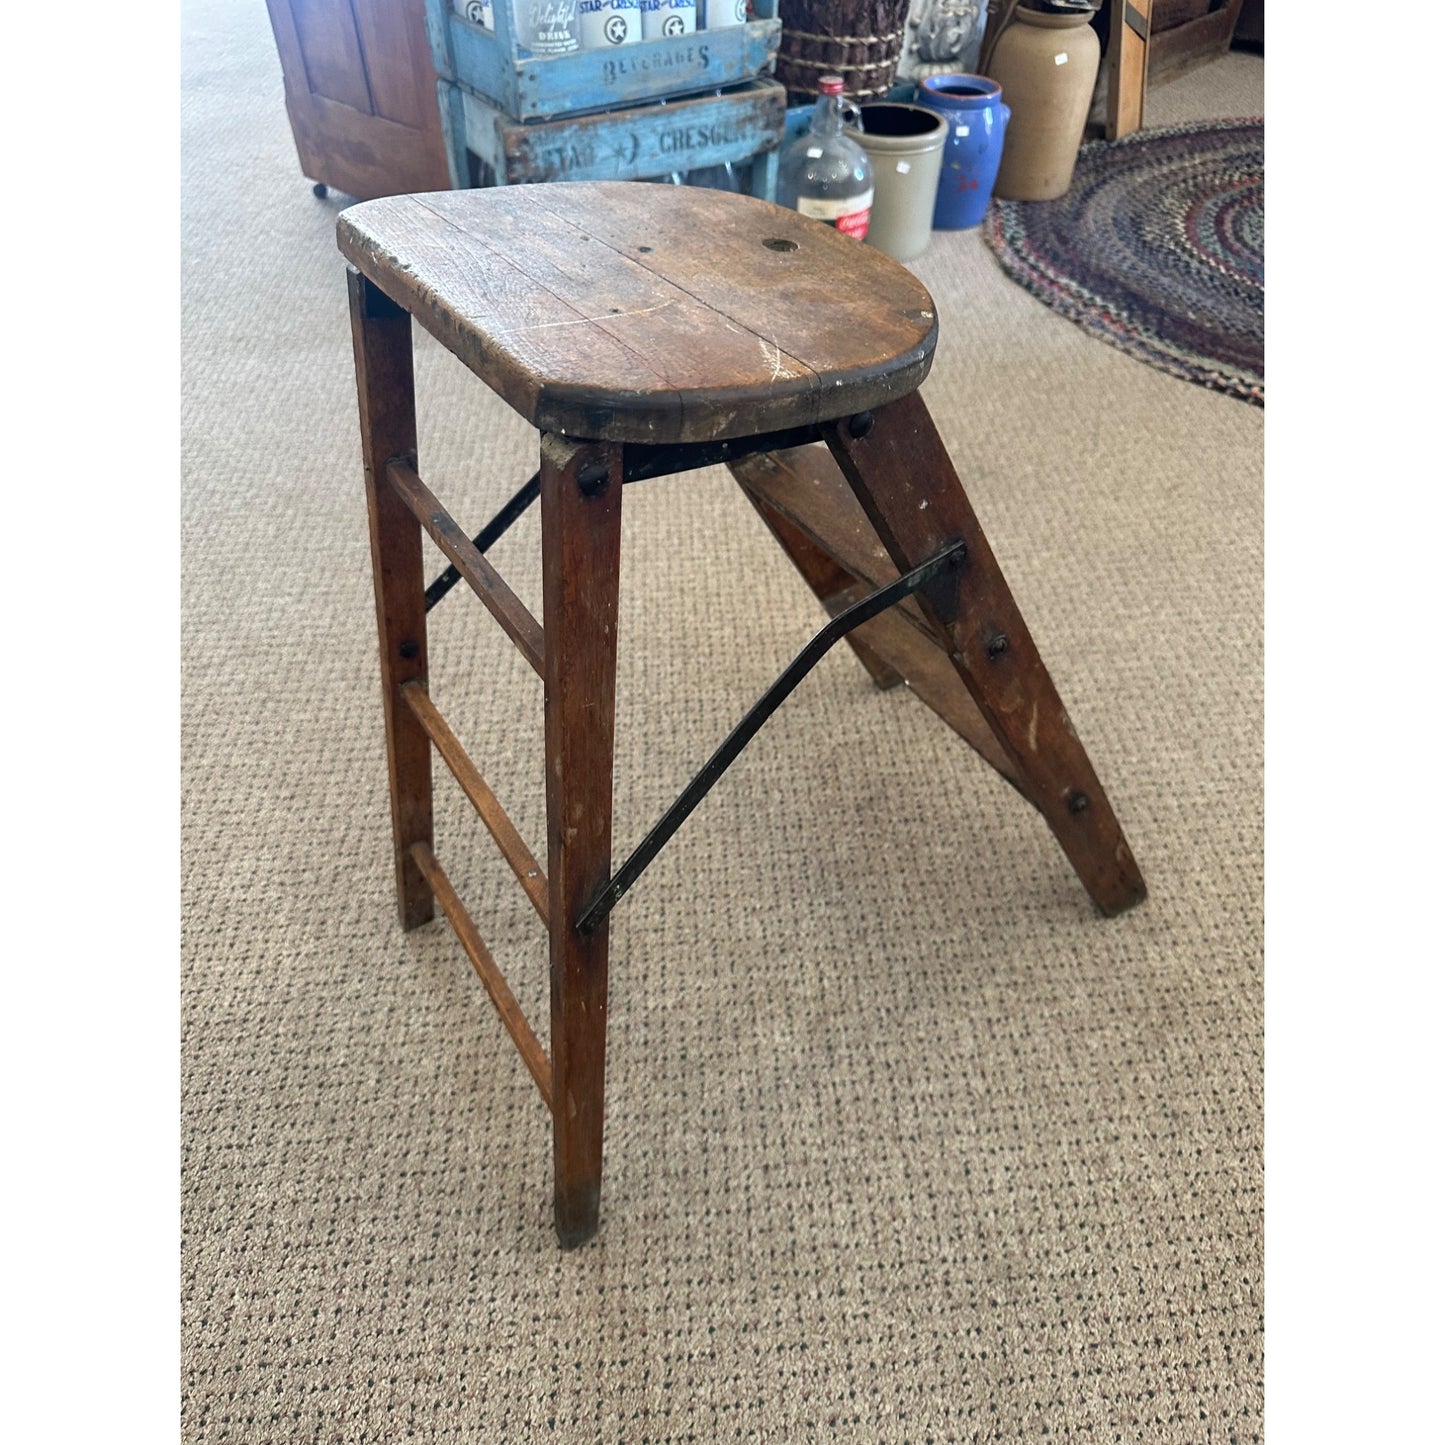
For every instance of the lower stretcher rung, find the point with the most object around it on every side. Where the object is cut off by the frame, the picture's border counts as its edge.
(513, 1019)
(484, 800)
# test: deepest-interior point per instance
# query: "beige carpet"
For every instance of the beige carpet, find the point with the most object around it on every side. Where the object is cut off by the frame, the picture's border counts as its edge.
(905, 1144)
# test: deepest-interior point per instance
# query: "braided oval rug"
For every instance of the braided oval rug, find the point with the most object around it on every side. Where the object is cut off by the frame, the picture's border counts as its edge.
(1158, 248)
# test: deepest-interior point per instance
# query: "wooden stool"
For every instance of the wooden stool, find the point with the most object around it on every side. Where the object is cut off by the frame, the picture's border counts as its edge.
(646, 331)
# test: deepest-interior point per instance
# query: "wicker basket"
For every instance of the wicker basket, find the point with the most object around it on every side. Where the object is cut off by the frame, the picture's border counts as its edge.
(861, 40)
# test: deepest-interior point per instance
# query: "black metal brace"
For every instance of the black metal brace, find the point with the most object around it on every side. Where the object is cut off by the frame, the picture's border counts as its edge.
(640, 462)
(860, 612)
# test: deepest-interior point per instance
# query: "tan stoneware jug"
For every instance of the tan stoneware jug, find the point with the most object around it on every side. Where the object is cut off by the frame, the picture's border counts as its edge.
(1046, 65)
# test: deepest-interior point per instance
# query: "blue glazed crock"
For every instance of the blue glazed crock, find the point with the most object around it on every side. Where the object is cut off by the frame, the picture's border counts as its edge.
(976, 115)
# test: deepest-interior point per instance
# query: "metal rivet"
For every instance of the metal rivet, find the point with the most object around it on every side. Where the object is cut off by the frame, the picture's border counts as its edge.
(997, 645)
(1078, 802)
(410, 648)
(592, 478)
(860, 425)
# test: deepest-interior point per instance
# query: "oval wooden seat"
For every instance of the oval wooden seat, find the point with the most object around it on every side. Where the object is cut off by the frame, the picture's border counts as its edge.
(611, 311)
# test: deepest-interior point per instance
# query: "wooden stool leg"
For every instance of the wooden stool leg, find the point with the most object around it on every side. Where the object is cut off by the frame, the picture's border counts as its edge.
(581, 546)
(898, 468)
(381, 337)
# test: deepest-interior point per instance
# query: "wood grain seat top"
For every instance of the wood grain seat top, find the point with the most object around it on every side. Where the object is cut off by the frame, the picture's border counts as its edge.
(649, 313)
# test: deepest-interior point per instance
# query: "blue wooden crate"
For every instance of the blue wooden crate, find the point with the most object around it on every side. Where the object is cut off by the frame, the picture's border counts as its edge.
(741, 126)
(541, 87)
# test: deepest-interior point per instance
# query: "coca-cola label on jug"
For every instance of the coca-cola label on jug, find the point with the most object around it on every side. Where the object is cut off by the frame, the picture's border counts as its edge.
(849, 216)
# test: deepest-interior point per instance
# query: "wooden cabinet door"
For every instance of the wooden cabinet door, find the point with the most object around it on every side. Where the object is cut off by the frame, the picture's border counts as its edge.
(361, 94)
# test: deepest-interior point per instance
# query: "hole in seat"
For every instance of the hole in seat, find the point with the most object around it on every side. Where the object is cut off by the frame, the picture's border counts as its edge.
(778, 243)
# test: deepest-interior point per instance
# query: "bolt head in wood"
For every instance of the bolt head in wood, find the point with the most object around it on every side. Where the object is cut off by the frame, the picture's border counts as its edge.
(1078, 802)
(410, 648)
(997, 645)
(592, 478)
(860, 425)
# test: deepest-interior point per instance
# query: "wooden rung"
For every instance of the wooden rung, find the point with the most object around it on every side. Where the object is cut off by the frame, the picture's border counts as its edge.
(484, 800)
(484, 579)
(515, 1022)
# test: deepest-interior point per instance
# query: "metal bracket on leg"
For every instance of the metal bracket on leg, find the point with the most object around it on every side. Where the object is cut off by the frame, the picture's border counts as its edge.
(860, 612)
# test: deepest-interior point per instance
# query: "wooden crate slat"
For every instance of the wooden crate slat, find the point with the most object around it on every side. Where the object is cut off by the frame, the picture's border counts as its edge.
(543, 87)
(645, 71)
(649, 140)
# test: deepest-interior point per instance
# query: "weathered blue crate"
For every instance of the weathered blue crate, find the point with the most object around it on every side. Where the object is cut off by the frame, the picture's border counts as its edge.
(741, 126)
(541, 87)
